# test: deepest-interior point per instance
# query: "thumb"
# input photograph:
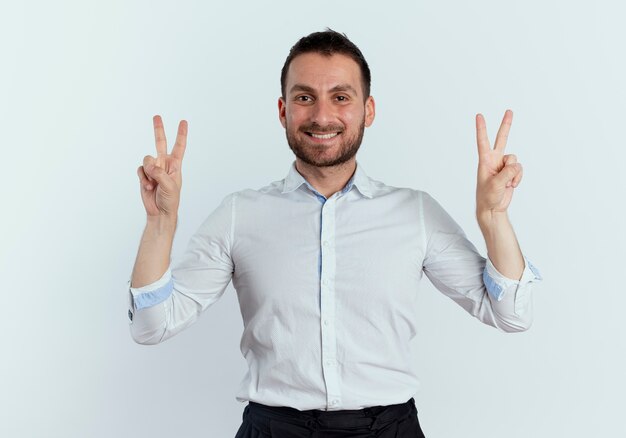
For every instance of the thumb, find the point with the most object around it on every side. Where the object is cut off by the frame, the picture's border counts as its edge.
(155, 172)
(160, 175)
(507, 174)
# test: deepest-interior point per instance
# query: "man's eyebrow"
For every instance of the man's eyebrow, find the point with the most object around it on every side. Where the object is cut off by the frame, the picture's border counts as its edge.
(340, 87)
(343, 87)
(301, 87)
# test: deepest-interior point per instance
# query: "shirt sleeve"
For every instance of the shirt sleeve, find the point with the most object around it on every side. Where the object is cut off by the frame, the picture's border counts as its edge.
(198, 279)
(455, 268)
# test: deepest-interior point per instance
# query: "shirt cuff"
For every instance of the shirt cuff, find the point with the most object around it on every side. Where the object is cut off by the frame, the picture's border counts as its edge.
(496, 283)
(153, 293)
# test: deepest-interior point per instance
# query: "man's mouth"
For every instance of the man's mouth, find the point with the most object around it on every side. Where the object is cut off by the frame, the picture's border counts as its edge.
(322, 136)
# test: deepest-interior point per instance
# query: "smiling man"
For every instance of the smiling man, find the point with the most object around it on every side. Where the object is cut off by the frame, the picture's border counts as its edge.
(327, 262)
(324, 109)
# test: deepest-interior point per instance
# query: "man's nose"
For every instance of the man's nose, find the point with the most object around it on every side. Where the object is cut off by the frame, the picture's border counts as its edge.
(323, 112)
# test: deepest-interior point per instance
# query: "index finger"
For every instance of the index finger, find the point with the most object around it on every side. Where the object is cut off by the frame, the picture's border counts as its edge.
(159, 136)
(503, 132)
(181, 140)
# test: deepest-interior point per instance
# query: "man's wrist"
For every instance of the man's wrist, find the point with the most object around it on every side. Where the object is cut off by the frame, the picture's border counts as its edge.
(488, 219)
(162, 224)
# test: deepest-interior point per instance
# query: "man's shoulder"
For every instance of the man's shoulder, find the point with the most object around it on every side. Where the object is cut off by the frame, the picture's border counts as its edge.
(379, 188)
(274, 187)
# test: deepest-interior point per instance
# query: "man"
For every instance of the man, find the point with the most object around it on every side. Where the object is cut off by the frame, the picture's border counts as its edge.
(326, 262)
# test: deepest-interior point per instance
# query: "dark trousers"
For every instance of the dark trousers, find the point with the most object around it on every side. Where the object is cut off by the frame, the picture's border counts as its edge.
(393, 421)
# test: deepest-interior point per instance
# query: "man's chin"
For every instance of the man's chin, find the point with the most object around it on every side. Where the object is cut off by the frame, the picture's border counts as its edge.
(322, 161)
(322, 155)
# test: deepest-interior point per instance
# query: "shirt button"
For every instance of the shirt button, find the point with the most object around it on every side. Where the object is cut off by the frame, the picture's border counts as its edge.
(326, 322)
(333, 402)
(329, 363)
(325, 243)
(324, 281)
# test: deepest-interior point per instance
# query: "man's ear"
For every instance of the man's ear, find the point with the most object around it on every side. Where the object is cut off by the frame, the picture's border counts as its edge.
(281, 111)
(370, 111)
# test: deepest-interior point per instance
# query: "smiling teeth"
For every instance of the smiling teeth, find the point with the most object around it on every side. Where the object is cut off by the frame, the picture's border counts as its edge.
(325, 136)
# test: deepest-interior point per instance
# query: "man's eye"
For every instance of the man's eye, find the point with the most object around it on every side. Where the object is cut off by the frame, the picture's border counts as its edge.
(342, 98)
(304, 98)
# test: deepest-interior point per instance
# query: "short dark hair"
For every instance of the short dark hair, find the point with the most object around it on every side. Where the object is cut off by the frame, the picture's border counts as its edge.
(328, 43)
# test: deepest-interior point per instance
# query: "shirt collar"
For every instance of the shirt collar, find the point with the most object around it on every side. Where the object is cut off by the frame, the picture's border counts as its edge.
(359, 179)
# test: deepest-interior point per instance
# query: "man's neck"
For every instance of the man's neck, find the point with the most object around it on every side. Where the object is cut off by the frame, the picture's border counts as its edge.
(327, 180)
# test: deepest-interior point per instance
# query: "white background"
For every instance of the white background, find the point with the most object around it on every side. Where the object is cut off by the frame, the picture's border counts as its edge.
(79, 84)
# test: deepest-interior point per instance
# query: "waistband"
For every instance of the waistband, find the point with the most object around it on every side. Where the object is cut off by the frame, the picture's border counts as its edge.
(372, 417)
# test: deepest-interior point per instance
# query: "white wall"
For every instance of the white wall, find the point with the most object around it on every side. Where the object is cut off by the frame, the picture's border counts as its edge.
(79, 84)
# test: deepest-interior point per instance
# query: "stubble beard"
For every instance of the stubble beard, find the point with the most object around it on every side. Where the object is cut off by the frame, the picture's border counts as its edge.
(312, 154)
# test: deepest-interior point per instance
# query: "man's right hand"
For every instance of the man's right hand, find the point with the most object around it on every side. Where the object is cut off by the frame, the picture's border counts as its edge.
(160, 178)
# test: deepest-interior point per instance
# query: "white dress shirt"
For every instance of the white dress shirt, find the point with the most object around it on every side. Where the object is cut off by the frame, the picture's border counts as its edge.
(327, 288)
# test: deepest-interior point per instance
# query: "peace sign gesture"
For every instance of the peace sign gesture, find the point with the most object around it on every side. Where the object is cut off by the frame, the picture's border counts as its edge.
(160, 177)
(498, 174)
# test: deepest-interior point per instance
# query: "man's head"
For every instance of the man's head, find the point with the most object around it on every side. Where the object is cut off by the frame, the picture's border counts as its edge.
(325, 103)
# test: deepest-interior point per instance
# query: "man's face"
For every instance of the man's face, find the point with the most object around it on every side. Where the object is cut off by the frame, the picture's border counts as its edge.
(323, 112)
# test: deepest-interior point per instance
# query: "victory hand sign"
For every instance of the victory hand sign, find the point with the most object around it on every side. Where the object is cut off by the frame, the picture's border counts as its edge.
(498, 174)
(160, 182)
(160, 178)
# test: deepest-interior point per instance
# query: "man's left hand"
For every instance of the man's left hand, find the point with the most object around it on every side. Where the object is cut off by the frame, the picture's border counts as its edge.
(498, 174)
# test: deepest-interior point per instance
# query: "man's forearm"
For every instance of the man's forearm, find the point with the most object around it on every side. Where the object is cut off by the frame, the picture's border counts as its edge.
(153, 257)
(502, 246)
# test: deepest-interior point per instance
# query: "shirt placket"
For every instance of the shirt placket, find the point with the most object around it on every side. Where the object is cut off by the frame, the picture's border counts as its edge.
(327, 303)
